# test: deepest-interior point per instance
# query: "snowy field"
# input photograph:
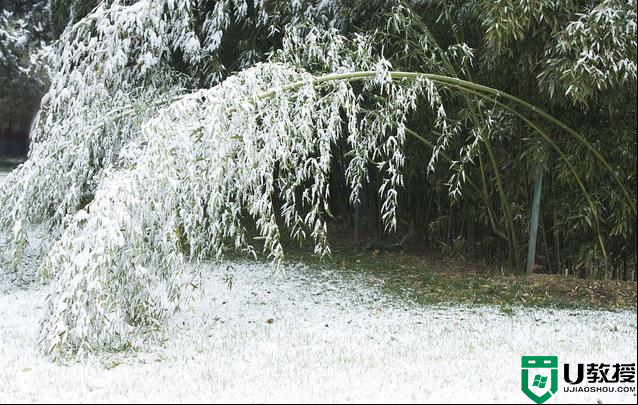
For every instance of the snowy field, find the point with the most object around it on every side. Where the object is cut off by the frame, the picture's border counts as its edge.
(312, 335)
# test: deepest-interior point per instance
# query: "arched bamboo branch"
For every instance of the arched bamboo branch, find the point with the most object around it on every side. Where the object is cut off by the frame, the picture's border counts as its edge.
(492, 95)
(464, 85)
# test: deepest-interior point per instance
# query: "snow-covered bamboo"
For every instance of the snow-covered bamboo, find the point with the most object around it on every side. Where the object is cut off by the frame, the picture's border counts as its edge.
(203, 170)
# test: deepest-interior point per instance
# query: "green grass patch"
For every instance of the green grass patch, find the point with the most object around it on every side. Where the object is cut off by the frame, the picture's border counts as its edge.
(431, 279)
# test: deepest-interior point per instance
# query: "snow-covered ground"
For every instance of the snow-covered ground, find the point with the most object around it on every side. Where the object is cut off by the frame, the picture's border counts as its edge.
(311, 335)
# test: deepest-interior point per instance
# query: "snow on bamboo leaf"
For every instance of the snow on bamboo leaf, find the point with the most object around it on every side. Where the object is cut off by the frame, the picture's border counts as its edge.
(110, 73)
(202, 167)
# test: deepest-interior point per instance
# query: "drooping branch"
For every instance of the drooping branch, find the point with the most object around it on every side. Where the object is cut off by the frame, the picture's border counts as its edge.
(205, 162)
(467, 86)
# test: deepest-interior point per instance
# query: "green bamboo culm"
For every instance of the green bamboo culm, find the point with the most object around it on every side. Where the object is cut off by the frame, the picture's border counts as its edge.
(533, 223)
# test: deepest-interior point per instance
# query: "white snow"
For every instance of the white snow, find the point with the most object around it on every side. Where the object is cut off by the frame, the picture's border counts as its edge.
(331, 339)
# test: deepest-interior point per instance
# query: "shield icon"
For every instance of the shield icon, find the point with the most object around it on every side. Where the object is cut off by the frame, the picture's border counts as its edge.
(540, 381)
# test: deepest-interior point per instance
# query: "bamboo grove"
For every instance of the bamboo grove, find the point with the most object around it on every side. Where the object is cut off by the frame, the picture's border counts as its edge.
(530, 89)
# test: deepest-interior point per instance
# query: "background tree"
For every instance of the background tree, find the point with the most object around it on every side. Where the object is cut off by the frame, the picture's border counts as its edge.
(24, 33)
